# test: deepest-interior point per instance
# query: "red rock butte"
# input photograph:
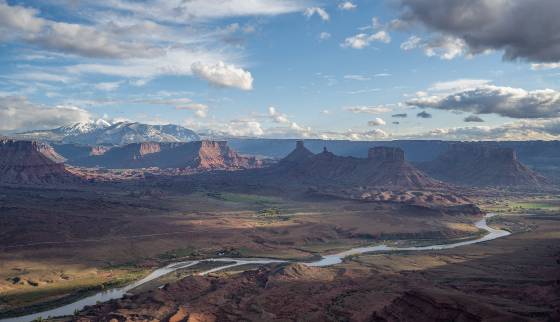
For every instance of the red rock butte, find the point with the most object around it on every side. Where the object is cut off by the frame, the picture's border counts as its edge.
(384, 167)
(197, 155)
(477, 164)
(30, 162)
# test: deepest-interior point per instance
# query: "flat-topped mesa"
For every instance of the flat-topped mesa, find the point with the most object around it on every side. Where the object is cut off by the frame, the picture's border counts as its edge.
(196, 155)
(214, 145)
(31, 162)
(383, 153)
(482, 164)
(477, 150)
(385, 167)
(27, 153)
(149, 148)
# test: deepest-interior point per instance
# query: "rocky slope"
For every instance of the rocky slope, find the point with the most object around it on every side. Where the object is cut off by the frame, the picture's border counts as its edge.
(384, 167)
(299, 155)
(444, 201)
(199, 155)
(121, 133)
(73, 153)
(477, 164)
(434, 305)
(30, 162)
(493, 281)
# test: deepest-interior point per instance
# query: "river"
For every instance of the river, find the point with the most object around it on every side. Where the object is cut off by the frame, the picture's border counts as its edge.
(326, 260)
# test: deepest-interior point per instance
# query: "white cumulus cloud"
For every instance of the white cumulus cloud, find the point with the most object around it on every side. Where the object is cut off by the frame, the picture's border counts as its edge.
(310, 12)
(224, 75)
(200, 110)
(18, 113)
(368, 109)
(107, 86)
(363, 40)
(500, 100)
(377, 122)
(324, 35)
(347, 5)
(444, 47)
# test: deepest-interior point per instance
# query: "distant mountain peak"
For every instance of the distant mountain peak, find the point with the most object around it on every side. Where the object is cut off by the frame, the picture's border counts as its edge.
(102, 123)
(82, 127)
(102, 132)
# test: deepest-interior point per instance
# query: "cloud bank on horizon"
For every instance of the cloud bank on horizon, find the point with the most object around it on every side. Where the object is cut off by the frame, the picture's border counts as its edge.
(446, 69)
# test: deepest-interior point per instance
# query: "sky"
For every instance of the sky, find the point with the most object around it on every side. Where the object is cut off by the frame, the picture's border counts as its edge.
(355, 70)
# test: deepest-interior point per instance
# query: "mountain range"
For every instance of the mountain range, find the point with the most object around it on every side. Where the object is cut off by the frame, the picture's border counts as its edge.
(101, 132)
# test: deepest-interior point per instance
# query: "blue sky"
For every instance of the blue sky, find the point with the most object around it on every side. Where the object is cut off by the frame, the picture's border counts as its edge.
(283, 68)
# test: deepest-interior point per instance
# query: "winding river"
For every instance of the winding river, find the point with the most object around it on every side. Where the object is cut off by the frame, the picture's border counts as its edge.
(326, 260)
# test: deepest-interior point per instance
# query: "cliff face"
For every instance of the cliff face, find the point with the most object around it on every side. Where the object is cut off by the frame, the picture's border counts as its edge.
(98, 150)
(218, 155)
(390, 154)
(199, 155)
(384, 167)
(479, 164)
(30, 162)
(149, 148)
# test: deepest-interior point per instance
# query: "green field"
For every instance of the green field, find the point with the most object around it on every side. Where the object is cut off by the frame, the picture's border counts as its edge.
(540, 206)
(33, 299)
(244, 198)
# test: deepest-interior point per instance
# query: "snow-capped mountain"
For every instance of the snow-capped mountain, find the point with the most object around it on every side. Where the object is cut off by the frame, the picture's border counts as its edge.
(82, 128)
(101, 132)
(125, 133)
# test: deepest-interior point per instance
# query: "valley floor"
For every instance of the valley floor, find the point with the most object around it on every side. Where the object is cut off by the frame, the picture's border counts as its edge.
(516, 278)
(57, 245)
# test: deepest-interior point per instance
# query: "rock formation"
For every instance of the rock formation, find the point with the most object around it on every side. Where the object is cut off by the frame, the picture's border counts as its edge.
(438, 306)
(347, 293)
(384, 167)
(481, 164)
(30, 162)
(199, 155)
(381, 153)
(218, 155)
(298, 155)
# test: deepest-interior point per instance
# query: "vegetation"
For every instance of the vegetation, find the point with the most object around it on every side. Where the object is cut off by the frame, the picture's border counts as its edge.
(534, 205)
(244, 198)
(178, 253)
(28, 300)
(269, 212)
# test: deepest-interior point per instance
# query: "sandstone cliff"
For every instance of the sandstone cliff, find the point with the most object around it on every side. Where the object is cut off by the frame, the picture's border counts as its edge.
(199, 155)
(384, 167)
(478, 164)
(30, 162)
